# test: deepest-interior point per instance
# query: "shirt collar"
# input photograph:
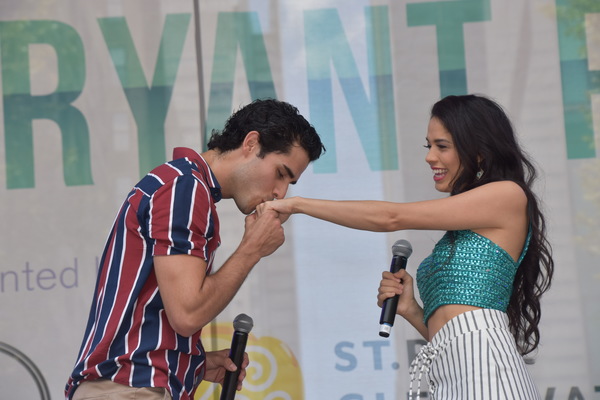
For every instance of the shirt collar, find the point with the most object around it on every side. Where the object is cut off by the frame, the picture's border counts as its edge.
(202, 165)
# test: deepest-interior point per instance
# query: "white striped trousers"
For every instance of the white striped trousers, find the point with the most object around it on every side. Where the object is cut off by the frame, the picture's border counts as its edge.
(473, 356)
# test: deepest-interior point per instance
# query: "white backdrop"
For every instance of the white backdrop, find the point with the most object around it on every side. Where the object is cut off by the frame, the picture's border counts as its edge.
(93, 93)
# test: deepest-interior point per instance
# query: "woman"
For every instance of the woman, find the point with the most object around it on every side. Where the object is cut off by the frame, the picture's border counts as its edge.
(481, 285)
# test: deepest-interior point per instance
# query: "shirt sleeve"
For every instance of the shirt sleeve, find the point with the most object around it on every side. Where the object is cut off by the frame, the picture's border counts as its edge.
(180, 218)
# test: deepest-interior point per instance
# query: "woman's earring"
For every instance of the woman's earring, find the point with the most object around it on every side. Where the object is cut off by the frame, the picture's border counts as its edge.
(479, 174)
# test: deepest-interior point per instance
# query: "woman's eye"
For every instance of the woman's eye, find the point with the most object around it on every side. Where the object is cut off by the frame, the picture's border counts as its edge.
(427, 146)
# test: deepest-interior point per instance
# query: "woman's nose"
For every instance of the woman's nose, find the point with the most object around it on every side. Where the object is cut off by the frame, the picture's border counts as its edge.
(429, 157)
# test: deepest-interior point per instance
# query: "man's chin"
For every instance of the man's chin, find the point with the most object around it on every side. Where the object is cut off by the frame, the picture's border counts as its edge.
(246, 210)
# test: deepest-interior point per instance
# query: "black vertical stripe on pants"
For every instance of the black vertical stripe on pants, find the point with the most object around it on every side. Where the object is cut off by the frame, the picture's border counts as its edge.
(474, 356)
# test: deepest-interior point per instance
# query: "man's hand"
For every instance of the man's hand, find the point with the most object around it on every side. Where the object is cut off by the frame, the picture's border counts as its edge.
(218, 362)
(263, 234)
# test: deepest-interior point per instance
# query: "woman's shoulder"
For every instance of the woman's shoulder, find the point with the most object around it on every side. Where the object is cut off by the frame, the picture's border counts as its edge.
(506, 204)
(504, 184)
(505, 190)
(500, 200)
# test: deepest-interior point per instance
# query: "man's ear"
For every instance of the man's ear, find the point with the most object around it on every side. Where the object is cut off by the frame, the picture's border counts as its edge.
(251, 142)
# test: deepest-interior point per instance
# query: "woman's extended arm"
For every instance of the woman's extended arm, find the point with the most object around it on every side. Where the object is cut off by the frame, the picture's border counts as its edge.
(494, 205)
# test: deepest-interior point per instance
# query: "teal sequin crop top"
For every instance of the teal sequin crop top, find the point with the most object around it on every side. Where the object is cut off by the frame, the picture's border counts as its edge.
(467, 268)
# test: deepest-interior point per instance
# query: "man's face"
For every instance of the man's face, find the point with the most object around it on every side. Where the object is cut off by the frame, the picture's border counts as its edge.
(267, 178)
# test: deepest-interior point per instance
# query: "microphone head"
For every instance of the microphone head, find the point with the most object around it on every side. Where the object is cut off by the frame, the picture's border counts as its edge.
(243, 323)
(402, 248)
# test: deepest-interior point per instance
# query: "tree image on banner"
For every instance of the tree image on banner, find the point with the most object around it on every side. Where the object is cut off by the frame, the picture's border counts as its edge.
(273, 372)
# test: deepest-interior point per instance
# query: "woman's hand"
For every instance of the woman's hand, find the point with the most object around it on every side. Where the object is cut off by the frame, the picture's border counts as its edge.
(284, 207)
(400, 283)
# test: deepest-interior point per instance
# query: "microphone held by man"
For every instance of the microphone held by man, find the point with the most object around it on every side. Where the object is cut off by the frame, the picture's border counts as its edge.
(242, 325)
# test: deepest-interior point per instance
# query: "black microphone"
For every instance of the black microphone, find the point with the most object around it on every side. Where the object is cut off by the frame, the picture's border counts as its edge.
(401, 250)
(242, 325)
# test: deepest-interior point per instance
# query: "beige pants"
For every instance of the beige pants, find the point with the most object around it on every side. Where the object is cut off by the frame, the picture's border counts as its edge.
(103, 389)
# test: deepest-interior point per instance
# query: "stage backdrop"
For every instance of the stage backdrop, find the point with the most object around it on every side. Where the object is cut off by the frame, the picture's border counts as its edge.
(96, 93)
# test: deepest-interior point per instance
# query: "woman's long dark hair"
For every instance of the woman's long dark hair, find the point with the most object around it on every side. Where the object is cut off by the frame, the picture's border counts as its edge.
(485, 141)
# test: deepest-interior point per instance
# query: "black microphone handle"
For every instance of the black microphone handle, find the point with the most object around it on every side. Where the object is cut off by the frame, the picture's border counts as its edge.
(388, 310)
(238, 348)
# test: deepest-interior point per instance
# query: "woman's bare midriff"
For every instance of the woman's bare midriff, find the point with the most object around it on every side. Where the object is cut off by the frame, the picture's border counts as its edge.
(443, 314)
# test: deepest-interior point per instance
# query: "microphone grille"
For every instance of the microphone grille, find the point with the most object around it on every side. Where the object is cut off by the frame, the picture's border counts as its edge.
(402, 248)
(243, 323)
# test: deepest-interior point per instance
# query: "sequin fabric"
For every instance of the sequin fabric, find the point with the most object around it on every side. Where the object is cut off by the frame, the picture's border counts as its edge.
(467, 268)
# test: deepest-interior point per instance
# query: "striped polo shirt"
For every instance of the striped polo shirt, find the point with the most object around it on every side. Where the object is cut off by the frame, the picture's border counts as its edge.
(128, 338)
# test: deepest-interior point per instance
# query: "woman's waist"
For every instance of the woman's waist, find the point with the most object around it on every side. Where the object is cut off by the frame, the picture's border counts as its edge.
(456, 319)
(445, 313)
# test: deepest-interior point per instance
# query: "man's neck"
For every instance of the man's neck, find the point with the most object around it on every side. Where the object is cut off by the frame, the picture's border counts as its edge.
(222, 165)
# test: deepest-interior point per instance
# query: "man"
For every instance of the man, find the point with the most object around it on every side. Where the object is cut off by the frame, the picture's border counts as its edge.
(155, 291)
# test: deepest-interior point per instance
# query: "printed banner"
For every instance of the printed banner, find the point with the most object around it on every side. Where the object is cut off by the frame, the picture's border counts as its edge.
(95, 94)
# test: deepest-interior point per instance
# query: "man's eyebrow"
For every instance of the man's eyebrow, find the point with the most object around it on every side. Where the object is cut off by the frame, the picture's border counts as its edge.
(290, 174)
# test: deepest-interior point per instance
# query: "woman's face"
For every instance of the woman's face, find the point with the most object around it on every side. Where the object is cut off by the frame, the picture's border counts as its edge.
(442, 156)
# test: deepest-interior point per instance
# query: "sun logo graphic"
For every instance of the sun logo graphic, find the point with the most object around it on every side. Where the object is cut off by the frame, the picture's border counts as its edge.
(273, 372)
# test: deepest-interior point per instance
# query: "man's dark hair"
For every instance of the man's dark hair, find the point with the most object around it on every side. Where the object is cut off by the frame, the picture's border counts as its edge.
(279, 124)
